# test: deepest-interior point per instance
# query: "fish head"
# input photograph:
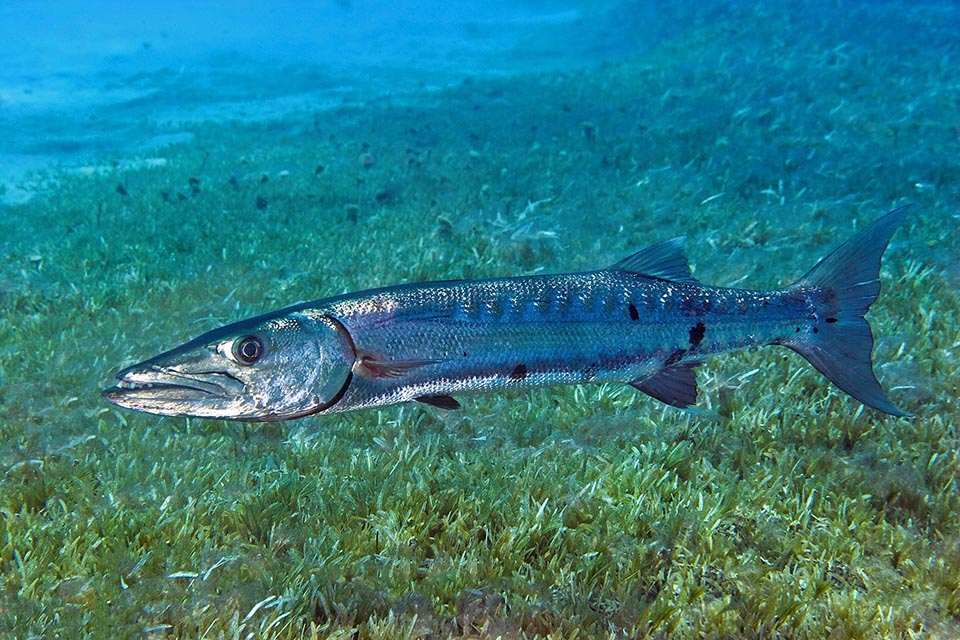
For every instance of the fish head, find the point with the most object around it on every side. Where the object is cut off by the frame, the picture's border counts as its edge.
(269, 368)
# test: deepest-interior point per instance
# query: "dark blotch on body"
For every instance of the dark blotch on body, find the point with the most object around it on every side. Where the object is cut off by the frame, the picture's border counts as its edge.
(696, 334)
(634, 314)
(519, 372)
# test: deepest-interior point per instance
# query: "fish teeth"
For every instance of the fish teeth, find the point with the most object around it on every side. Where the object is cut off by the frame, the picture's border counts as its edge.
(134, 386)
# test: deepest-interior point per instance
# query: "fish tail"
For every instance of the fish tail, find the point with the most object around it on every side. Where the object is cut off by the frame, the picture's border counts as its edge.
(841, 343)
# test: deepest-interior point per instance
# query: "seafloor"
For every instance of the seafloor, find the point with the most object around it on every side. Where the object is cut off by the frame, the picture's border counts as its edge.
(778, 507)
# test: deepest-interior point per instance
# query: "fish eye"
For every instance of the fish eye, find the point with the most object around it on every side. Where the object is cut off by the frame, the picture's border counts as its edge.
(247, 350)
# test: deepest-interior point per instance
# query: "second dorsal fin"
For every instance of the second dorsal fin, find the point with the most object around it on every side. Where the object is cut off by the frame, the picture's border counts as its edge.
(664, 260)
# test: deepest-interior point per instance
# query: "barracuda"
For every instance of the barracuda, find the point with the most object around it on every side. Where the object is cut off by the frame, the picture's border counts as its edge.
(645, 321)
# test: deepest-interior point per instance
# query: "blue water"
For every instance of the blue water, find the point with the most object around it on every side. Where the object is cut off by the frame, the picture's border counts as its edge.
(81, 79)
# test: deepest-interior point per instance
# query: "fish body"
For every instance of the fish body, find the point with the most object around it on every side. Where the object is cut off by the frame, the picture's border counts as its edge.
(490, 335)
(645, 321)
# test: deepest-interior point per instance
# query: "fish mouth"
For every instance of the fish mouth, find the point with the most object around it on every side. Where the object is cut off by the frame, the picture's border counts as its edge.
(171, 391)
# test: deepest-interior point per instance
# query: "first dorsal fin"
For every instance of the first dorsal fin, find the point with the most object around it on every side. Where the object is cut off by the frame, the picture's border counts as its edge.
(664, 260)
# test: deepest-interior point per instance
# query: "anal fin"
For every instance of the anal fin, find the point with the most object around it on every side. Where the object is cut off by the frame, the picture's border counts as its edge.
(676, 385)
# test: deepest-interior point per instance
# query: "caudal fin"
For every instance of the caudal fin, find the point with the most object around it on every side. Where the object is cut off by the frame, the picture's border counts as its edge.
(841, 343)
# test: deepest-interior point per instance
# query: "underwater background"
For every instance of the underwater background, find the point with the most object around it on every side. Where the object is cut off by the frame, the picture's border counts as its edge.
(168, 168)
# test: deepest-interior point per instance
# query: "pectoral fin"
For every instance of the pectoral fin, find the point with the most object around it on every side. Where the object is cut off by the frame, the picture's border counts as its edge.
(370, 367)
(676, 385)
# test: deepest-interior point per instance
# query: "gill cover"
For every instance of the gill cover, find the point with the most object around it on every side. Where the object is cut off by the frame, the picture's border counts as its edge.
(301, 364)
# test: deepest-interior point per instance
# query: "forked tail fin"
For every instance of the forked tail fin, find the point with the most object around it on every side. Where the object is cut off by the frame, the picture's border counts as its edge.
(841, 344)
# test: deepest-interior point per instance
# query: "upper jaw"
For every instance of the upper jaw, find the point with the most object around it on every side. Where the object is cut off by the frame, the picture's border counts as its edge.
(170, 391)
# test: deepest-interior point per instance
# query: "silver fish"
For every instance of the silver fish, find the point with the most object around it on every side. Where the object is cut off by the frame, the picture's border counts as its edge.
(644, 321)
